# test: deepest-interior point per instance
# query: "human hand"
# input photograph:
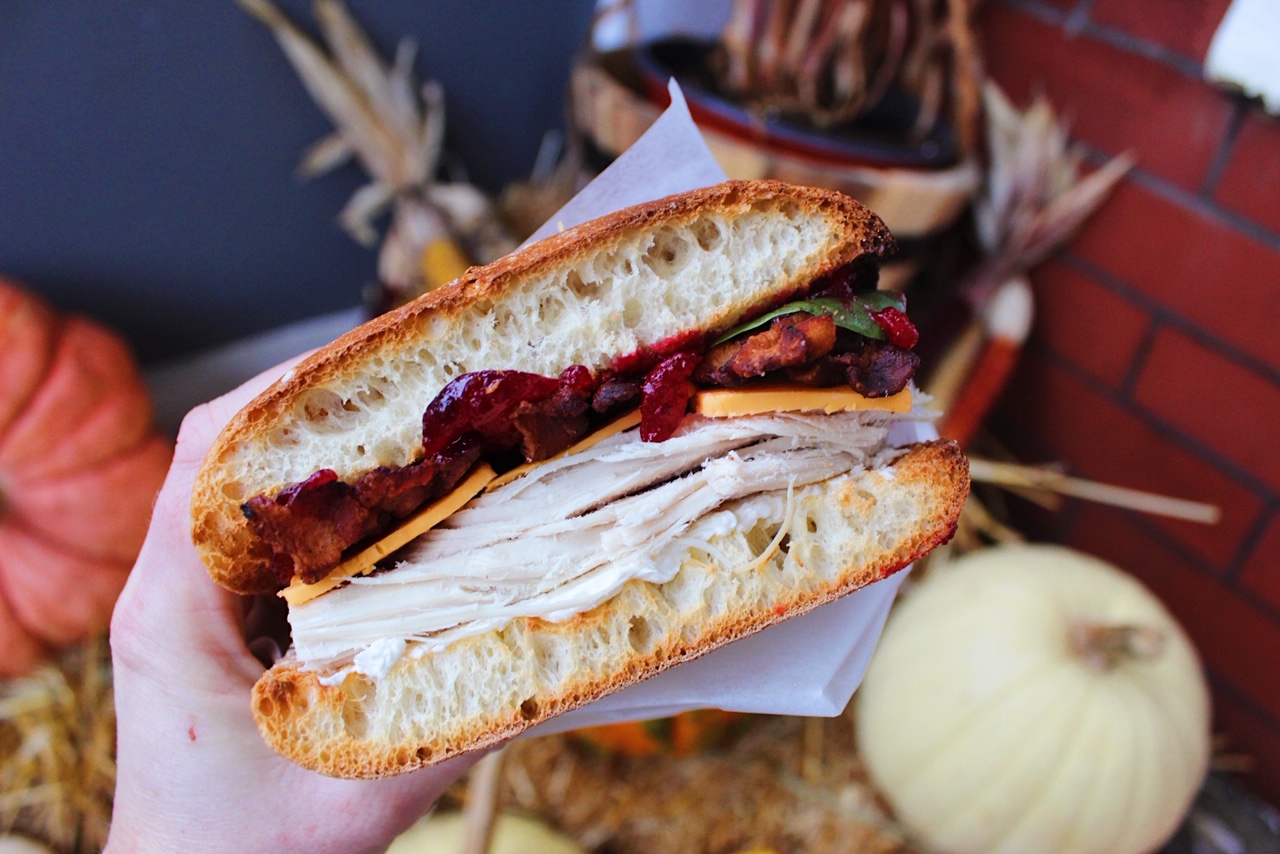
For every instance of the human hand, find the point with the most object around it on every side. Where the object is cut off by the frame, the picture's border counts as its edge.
(193, 773)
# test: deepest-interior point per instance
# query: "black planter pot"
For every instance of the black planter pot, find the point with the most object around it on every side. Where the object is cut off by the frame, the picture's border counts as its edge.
(885, 136)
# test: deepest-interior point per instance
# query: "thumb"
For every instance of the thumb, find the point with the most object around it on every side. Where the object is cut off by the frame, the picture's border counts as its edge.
(170, 608)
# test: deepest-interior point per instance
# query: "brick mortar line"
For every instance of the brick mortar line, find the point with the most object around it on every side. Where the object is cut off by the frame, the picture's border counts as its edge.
(1198, 202)
(1205, 453)
(1078, 17)
(1070, 514)
(1231, 571)
(1248, 544)
(1164, 315)
(1144, 523)
(1166, 431)
(1040, 11)
(1222, 157)
(1227, 579)
(1203, 202)
(1141, 354)
(1129, 43)
(1205, 206)
(1078, 22)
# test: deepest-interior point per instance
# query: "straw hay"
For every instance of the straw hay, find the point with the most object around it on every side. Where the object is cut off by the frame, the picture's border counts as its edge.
(57, 751)
(784, 784)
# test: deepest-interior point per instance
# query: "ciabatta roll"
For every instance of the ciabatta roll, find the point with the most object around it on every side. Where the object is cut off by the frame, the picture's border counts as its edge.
(605, 454)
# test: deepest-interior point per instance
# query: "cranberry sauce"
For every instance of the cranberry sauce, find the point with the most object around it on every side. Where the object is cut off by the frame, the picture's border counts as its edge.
(637, 363)
(482, 402)
(897, 327)
(665, 396)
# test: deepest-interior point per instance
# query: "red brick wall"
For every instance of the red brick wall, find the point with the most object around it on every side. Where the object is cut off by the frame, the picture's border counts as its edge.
(1155, 362)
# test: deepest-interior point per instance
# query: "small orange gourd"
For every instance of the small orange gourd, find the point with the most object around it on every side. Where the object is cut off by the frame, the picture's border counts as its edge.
(685, 734)
(80, 464)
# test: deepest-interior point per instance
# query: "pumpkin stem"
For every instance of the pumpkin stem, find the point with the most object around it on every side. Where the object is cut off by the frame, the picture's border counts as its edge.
(1105, 647)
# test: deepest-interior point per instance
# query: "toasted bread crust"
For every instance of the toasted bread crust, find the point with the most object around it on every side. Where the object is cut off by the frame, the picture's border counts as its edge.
(410, 718)
(239, 561)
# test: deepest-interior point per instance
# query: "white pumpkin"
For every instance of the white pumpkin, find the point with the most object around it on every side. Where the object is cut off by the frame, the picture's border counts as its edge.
(446, 833)
(22, 845)
(1031, 698)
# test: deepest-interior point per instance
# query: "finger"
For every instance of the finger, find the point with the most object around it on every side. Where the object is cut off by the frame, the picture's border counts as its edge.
(172, 621)
(170, 606)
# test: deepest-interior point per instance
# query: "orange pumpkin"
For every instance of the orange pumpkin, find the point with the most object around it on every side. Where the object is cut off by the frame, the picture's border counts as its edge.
(80, 464)
(683, 735)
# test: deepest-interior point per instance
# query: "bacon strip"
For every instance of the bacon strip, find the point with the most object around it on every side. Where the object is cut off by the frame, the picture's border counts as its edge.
(310, 525)
(793, 339)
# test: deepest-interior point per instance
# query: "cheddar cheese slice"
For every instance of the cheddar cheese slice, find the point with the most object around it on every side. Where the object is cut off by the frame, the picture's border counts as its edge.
(728, 403)
(415, 526)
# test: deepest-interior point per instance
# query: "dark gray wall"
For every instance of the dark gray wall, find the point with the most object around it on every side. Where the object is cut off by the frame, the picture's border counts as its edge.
(147, 152)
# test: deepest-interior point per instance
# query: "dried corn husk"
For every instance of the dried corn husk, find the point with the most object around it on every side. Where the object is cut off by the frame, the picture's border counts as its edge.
(1034, 197)
(395, 129)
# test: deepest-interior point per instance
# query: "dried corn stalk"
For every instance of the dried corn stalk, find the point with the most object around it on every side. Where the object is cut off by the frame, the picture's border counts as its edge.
(1033, 200)
(395, 129)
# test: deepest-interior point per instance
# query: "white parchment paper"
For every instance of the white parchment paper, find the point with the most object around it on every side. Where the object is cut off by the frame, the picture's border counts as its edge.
(809, 665)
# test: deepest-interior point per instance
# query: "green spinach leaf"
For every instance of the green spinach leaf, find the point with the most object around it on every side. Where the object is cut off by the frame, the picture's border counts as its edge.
(854, 314)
